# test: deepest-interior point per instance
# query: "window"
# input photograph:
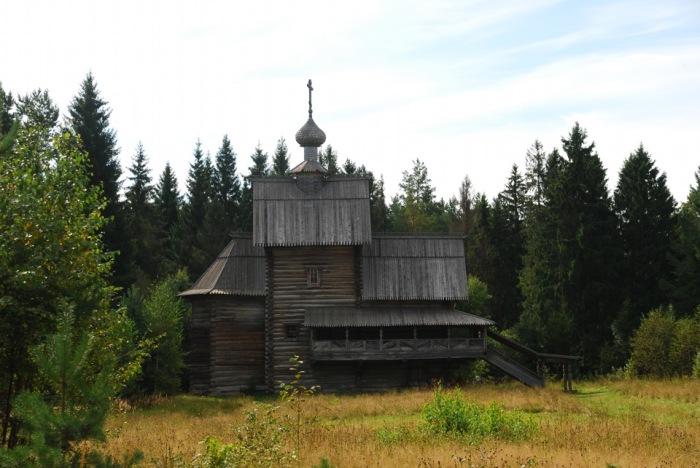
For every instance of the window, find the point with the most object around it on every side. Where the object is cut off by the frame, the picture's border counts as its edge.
(313, 276)
(291, 331)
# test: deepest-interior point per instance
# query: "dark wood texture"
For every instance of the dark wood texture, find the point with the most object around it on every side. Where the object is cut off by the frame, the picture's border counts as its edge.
(228, 346)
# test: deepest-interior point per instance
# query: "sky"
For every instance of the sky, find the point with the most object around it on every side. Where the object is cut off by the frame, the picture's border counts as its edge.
(464, 86)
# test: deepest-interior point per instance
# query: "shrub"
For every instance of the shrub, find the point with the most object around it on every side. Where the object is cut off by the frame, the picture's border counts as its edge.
(663, 346)
(450, 415)
(652, 341)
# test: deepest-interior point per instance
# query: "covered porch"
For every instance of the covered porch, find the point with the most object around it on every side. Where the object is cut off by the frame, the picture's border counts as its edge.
(389, 333)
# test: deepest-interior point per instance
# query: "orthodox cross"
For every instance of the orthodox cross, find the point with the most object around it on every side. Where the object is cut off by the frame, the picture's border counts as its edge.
(311, 88)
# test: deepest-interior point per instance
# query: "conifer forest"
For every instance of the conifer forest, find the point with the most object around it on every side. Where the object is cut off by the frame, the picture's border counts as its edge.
(93, 255)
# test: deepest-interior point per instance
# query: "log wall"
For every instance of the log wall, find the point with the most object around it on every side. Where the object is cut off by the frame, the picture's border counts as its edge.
(228, 344)
(289, 295)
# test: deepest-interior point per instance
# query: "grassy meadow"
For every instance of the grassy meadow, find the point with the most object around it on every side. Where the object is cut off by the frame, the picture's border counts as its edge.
(622, 423)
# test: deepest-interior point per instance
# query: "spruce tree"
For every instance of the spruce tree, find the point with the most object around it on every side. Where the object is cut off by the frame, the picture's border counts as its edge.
(227, 187)
(686, 255)
(646, 214)
(545, 323)
(590, 247)
(509, 249)
(167, 203)
(329, 159)
(142, 223)
(90, 116)
(190, 249)
(379, 213)
(280, 162)
(258, 169)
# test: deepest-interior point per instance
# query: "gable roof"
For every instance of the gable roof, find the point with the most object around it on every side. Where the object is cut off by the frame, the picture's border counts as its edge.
(311, 211)
(239, 269)
(414, 267)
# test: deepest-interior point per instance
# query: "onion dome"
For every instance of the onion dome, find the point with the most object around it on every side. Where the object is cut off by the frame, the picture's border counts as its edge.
(310, 135)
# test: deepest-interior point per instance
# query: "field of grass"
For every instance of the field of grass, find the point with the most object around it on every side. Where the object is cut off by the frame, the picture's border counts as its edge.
(623, 423)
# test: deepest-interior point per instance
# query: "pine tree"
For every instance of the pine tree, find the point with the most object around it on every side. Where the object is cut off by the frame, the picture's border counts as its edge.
(646, 214)
(417, 201)
(280, 162)
(90, 116)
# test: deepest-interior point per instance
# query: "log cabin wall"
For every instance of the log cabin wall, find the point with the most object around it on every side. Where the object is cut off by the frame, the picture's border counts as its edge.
(228, 346)
(290, 294)
(199, 357)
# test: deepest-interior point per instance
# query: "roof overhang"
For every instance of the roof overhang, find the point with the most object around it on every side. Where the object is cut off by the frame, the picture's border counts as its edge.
(329, 317)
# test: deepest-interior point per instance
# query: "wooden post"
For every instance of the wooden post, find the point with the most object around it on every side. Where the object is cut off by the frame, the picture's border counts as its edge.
(381, 339)
(347, 338)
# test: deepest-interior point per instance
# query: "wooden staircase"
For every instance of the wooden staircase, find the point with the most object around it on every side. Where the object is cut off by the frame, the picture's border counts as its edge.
(512, 368)
(523, 374)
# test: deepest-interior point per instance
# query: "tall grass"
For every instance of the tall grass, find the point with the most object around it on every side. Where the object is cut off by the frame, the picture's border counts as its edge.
(622, 423)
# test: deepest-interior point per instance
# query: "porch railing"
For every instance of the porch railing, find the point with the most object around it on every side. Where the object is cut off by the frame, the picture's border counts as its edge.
(398, 345)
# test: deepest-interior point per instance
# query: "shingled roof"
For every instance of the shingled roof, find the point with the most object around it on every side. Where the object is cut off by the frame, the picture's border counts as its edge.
(327, 317)
(414, 267)
(238, 270)
(293, 212)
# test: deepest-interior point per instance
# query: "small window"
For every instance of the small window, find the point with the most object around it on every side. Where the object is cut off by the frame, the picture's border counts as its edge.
(291, 331)
(313, 276)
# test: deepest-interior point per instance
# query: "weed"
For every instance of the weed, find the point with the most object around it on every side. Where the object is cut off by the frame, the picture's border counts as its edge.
(449, 414)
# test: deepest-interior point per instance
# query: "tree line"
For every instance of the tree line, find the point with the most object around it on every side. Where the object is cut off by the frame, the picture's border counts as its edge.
(556, 259)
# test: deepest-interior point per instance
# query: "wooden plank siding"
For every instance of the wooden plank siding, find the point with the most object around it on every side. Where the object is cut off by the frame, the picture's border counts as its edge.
(228, 345)
(336, 214)
(290, 295)
(414, 268)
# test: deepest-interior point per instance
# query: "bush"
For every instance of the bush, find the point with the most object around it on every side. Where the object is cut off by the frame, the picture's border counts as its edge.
(651, 343)
(663, 346)
(449, 415)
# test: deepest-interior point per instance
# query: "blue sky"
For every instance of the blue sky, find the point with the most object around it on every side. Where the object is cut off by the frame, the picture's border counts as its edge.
(465, 86)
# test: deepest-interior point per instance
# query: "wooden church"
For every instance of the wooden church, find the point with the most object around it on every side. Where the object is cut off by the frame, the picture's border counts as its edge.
(364, 312)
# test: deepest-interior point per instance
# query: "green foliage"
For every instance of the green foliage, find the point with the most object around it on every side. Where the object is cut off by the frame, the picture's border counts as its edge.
(646, 214)
(162, 317)
(686, 255)
(479, 298)
(663, 346)
(50, 251)
(324, 463)
(259, 441)
(73, 404)
(90, 115)
(262, 439)
(448, 414)
(329, 159)
(280, 161)
(295, 394)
